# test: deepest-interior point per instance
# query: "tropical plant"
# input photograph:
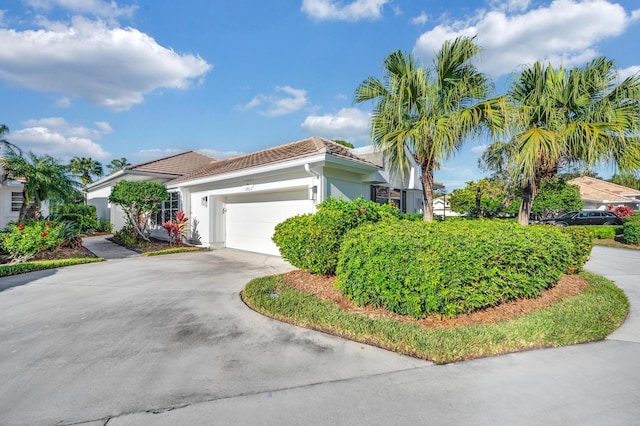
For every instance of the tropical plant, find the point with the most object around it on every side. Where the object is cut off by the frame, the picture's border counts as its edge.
(5, 143)
(427, 113)
(85, 168)
(562, 117)
(44, 179)
(23, 240)
(118, 164)
(177, 229)
(622, 211)
(139, 200)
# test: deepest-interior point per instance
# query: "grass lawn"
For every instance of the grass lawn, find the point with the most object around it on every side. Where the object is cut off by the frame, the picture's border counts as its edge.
(589, 316)
(39, 265)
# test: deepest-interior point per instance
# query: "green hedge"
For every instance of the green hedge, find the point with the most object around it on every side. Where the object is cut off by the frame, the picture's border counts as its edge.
(83, 217)
(417, 268)
(312, 242)
(631, 231)
(601, 231)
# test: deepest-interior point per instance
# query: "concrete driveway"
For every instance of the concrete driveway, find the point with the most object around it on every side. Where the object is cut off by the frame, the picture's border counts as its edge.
(166, 340)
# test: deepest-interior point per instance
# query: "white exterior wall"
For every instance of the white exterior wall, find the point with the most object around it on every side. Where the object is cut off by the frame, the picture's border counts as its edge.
(6, 215)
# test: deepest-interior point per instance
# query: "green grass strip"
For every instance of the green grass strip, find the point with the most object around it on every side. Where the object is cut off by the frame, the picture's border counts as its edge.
(597, 242)
(172, 251)
(40, 265)
(588, 316)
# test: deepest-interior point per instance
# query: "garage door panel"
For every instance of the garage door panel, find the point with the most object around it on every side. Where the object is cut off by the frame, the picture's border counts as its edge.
(250, 225)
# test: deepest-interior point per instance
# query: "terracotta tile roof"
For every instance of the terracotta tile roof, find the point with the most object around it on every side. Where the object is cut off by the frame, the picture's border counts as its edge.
(178, 164)
(300, 149)
(600, 190)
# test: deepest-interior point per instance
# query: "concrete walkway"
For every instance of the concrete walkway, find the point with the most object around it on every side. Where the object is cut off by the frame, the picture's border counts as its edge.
(104, 248)
(167, 340)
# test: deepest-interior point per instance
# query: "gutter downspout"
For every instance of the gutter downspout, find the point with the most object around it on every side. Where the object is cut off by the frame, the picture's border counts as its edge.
(318, 178)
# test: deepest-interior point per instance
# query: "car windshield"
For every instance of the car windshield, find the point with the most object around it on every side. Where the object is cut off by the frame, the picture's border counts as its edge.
(568, 215)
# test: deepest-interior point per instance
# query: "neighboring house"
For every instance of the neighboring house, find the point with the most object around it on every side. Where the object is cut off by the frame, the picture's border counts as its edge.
(159, 170)
(598, 194)
(442, 208)
(237, 202)
(10, 200)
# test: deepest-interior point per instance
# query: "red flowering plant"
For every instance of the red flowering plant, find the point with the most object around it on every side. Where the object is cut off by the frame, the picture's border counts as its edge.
(177, 229)
(622, 211)
(23, 240)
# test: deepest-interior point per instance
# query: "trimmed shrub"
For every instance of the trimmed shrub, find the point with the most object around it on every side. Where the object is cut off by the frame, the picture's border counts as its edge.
(631, 232)
(84, 217)
(417, 268)
(601, 231)
(634, 218)
(312, 242)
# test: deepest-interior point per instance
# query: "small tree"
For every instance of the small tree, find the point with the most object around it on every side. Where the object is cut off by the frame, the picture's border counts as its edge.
(139, 200)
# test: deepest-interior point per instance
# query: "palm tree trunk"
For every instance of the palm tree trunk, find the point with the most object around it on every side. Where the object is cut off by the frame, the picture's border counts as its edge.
(528, 194)
(479, 203)
(427, 193)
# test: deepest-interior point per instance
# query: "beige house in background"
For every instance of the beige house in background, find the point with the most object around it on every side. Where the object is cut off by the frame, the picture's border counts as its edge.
(598, 194)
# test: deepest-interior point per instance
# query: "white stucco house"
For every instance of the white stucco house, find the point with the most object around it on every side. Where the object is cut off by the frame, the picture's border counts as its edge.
(10, 200)
(159, 170)
(237, 202)
(598, 194)
(442, 208)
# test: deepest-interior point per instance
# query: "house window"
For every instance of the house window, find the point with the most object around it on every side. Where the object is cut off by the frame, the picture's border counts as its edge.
(386, 195)
(168, 208)
(16, 201)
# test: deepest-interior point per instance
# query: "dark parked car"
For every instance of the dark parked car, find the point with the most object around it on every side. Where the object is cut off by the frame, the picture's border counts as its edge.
(585, 217)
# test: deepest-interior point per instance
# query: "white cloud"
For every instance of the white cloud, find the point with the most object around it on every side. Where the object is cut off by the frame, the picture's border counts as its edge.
(510, 5)
(351, 124)
(109, 67)
(56, 137)
(88, 7)
(146, 154)
(334, 10)
(220, 155)
(421, 19)
(628, 72)
(564, 32)
(275, 105)
(63, 102)
(479, 149)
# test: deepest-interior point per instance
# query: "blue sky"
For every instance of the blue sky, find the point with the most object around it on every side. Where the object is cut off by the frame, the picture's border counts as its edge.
(147, 78)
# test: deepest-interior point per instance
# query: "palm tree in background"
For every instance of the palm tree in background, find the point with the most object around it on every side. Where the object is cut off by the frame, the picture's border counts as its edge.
(44, 179)
(4, 130)
(427, 113)
(561, 117)
(85, 168)
(118, 164)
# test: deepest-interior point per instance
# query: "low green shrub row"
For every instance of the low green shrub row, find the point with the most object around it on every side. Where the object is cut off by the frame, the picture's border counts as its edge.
(601, 232)
(21, 268)
(631, 232)
(417, 268)
(312, 242)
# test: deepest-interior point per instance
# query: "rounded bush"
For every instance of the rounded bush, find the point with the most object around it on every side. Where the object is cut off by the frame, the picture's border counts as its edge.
(631, 231)
(312, 242)
(417, 268)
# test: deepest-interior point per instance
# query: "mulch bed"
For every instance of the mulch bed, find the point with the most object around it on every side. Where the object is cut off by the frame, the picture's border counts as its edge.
(322, 287)
(145, 247)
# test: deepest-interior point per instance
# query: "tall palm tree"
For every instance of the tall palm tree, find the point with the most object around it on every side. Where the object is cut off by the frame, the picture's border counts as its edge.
(5, 143)
(566, 116)
(85, 168)
(427, 113)
(44, 178)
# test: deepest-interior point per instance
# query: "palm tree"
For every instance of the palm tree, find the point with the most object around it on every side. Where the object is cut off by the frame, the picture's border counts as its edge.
(118, 164)
(84, 168)
(5, 143)
(576, 116)
(44, 178)
(427, 113)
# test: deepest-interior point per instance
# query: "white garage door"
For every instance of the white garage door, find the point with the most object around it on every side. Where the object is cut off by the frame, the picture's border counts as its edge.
(250, 220)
